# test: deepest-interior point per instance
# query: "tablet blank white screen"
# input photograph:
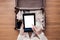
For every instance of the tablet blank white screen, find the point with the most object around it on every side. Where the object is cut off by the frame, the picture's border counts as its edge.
(29, 21)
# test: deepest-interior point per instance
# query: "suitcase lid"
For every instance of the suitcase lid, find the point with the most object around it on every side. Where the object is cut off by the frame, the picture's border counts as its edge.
(30, 4)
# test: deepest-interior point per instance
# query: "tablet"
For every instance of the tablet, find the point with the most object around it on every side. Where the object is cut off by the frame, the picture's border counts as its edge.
(28, 21)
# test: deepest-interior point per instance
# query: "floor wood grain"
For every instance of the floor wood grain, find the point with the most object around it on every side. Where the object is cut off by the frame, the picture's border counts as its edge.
(7, 20)
(53, 19)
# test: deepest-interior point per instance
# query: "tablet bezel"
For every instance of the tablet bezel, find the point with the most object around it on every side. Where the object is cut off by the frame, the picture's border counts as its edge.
(28, 29)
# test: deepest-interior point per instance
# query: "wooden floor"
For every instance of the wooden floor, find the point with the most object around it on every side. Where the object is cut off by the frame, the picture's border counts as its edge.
(7, 20)
(53, 19)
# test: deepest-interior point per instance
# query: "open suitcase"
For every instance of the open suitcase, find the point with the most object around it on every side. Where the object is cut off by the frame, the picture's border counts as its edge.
(29, 6)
